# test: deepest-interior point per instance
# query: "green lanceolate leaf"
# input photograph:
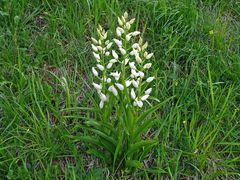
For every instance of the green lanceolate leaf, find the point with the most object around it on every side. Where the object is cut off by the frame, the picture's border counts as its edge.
(134, 148)
(151, 110)
(134, 164)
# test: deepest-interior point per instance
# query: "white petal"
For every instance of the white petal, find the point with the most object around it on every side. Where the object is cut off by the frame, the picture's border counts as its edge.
(107, 42)
(132, 21)
(128, 37)
(107, 53)
(149, 56)
(109, 80)
(144, 98)
(135, 46)
(147, 66)
(99, 48)
(133, 95)
(138, 59)
(148, 91)
(120, 22)
(135, 83)
(100, 67)
(109, 65)
(128, 83)
(109, 45)
(135, 33)
(103, 97)
(114, 54)
(118, 32)
(140, 103)
(150, 79)
(141, 74)
(125, 15)
(114, 91)
(97, 86)
(123, 51)
(128, 25)
(120, 86)
(118, 42)
(145, 46)
(96, 56)
(94, 47)
(116, 75)
(94, 71)
(113, 61)
(126, 61)
(94, 40)
(101, 104)
(132, 65)
(134, 73)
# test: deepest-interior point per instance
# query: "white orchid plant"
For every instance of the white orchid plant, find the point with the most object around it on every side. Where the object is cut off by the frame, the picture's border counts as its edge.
(122, 64)
(123, 86)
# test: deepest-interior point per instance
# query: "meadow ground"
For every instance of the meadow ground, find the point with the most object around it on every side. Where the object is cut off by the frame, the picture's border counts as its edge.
(196, 47)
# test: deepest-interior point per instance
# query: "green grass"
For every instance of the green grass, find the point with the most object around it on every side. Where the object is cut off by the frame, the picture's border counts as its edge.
(197, 60)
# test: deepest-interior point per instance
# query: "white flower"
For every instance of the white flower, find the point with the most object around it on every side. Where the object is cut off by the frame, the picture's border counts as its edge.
(107, 53)
(148, 91)
(138, 59)
(120, 22)
(109, 45)
(133, 95)
(116, 75)
(113, 90)
(114, 54)
(150, 79)
(105, 36)
(99, 48)
(135, 83)
(128, 37)
(109, 65)
(107, 42)
(128, 25)
(118, 42)
(103, 97)
(109, 80)
(94, 71)
(135, 103)
(149, 56)
(132, 65)
(125, 15)
(132, 21)
(96, 56)
(97, 86)
(120, 86)
(139, 103)
(128, 83)
(94, 40)
(147, 66)
(118, 32)
(120, 29)
(126, 61)
(100, 67)
(101, 104)
(144, 98)
(135, 33)
(145, 46)
(141, 74)
(113, 61)
(123, 51)
(94, 47)
(135, 46)
(134, 73)
(134, 52)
